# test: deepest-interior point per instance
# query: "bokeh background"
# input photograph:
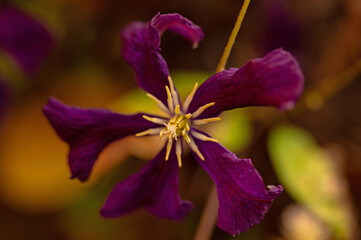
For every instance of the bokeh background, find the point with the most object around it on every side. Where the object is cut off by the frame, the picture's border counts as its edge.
(313, 150)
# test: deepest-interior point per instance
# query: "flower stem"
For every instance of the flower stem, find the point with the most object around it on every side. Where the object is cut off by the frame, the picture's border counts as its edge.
(232, 37)
(209, 217)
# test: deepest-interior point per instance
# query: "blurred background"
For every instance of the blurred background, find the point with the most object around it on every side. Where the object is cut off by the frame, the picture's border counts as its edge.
(70, 49)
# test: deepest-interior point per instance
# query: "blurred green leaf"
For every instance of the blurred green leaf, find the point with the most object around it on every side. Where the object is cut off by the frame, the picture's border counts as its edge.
(185, 80)
(234, 131)
(310, 177)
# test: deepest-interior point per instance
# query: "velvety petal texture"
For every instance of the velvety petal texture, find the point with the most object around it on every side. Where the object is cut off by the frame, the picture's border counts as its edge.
(275, 80)
(88, 131)
(140, 49)
(24, 38)
(154, 187)
(243, 199)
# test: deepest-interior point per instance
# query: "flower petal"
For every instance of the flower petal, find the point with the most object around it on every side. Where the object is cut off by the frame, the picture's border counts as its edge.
(141, 49)
(243, 199)
(154, 187)
(179, 25)
(88, 131)
(24, 38)
(275, 80)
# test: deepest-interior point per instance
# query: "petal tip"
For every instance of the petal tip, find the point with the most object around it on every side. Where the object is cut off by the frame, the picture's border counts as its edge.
(275, 190)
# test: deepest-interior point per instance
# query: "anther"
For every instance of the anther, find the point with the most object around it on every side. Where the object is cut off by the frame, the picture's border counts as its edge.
(200, 110)
(155, 120)
(178, 150)
(177, 109)
(189, 98)
(186, 137)
(195, 149)
(205, 121)
(203, 137)
(169, 100)
(159, 103)
(169, 147)
(173, 91)
(151, 131)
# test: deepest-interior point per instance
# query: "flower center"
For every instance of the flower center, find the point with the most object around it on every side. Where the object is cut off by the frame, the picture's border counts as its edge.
(177, 126)
(178, 123)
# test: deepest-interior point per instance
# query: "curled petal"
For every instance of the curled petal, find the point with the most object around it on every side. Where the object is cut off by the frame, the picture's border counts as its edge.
(141, 50)
(275, 80)
(154, 187)
(243, 199)
(24, 38)
(179, 25)
(88, 131)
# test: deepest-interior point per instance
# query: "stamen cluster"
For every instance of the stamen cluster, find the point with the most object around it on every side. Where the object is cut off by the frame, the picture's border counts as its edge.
(178, 122)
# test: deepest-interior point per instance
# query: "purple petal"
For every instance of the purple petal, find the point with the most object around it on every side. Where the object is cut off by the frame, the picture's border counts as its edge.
(243, 199)
(275, 80)
(88, 131)
(154, 187)
(141, 49)
(23, 37)
(179, 25)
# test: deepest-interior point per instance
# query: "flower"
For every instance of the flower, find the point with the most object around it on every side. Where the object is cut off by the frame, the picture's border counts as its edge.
(24, 39)
(274, 80)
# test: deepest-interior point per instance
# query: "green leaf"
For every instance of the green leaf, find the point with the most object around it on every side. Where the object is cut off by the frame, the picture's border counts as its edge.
(310, 177)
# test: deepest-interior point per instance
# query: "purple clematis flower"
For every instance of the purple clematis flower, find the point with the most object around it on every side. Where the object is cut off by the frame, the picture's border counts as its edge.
(274, 80)
(23, 38)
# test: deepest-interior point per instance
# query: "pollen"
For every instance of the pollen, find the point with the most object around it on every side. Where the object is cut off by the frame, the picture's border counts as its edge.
(179, 123)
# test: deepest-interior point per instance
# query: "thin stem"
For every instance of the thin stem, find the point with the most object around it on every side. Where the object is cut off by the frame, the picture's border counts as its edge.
(328, 87)
(232, 37)
(209, 217)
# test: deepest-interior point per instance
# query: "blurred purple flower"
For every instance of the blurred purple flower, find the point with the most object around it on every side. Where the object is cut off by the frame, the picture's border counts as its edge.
(23, 38)
(281, 29)
(274, 80)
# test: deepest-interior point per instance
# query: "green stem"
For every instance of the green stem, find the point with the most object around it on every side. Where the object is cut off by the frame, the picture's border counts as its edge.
(232, 37)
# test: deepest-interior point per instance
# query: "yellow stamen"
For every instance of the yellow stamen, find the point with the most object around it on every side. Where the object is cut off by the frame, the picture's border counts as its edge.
(159, 104)
(151, 131)
(169, 147)
(177, 109)
(189, 98)
(155, 120)
(203, 137)
(200, 110)
(178, 150)
(186, 137)
(169, 100)
(205, 121)
(173, 91)
(195, 149)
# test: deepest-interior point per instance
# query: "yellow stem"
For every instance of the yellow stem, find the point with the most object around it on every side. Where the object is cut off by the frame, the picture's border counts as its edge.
(232, 37)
